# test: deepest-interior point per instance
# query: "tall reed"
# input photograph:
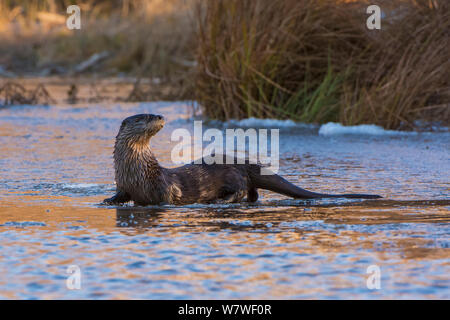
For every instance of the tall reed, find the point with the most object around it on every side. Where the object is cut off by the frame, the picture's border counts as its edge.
(316, 61)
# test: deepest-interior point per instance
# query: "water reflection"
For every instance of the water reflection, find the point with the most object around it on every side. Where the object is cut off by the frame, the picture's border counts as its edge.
(138, 217)
(56, 167)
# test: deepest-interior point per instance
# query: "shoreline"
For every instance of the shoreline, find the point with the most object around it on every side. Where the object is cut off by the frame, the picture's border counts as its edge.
(95, 88)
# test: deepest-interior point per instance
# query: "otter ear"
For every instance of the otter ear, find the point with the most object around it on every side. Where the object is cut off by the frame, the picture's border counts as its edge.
(123, 125)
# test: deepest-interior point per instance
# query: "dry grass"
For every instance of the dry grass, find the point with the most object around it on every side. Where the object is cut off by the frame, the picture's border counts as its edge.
(306, 60)
(316, 61)
(152, 39)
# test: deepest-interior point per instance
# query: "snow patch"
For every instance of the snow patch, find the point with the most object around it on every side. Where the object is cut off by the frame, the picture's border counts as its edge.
(333, 128)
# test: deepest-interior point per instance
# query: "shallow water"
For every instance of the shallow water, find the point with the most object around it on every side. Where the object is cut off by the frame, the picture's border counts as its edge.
(56, 166)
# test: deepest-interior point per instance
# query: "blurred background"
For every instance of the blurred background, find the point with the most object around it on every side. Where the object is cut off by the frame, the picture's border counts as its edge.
(309, 61)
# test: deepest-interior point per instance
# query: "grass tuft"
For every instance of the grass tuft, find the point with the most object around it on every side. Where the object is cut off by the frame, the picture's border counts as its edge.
(315, 61)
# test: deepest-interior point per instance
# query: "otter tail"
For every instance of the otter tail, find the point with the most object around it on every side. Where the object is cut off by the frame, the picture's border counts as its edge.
(278, 184)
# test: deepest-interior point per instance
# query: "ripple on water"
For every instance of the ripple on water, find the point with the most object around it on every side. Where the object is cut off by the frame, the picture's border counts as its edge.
(23, 224)
(56, 166)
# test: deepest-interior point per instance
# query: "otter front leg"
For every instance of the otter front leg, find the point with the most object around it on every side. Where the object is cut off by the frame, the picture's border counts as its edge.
(118, 198)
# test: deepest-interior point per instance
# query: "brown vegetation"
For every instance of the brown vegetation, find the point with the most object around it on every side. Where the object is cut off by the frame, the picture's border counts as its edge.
(12, 93)
(316, 61)
(152, 39)
(306, 60)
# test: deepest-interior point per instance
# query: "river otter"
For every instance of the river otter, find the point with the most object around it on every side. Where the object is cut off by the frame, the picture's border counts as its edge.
(140, 178)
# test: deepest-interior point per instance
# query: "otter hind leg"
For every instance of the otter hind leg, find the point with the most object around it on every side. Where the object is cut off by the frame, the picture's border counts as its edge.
(252, 195)
(230, 196)
(233, 188)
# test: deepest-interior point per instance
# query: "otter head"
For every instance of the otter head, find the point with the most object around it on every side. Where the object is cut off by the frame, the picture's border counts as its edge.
(138, 129)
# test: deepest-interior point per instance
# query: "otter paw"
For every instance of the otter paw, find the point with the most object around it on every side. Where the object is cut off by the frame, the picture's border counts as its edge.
(108, 202)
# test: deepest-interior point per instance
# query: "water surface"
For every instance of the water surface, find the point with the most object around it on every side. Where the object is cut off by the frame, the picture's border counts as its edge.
(56, 166)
